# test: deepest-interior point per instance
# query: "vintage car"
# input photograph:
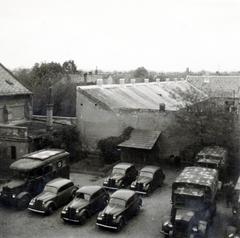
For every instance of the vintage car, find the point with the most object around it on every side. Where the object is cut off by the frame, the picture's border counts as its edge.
(149, 178)
(87, 201)
(122, 206)
(123, 174)
(56, 193)
(31, 173)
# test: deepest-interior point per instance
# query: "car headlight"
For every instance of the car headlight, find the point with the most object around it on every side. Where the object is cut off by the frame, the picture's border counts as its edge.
(234, 211)
(195, 229)
(32, 201)
(64, 211)
(78, 210)
(114, 217)
(231, 235)
(13, 195)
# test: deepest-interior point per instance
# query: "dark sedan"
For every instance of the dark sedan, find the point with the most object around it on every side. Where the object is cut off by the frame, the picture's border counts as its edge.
(150, 178)
(56, 193)
(122, 206)
(123, 174)
(87, 201)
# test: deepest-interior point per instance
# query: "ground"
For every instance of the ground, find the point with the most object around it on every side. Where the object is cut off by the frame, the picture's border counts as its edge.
(156, 208)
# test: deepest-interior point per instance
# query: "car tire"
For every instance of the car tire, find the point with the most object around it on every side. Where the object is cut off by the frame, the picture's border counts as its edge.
(50, 209)
(23, 202)
(84, 218)
(137, 210)
(120, 224)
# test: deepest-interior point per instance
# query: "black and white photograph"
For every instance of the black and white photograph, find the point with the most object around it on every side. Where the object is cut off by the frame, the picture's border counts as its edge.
(120, 118)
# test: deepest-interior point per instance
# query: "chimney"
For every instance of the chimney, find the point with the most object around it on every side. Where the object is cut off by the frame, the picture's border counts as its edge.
(157, 80)
(133, 81)
(99, 82)
(85, 78)
(146, 80)
(50, 110)
(122, 81)
(162, 107)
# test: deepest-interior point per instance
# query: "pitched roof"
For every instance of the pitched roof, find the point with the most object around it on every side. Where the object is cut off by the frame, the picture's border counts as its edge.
(141, 139)
(142, 95)
(216, 85)
(9, 84)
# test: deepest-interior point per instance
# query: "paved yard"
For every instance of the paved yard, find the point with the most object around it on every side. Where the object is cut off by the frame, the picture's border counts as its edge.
(23, 224)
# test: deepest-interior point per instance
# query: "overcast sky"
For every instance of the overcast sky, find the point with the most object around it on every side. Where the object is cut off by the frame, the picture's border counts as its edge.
(162, 35)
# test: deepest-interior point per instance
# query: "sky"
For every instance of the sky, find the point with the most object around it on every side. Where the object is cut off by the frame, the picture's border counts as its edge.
(161, 35)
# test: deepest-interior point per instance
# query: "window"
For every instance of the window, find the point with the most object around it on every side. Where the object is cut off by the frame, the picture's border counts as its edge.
(13, 152)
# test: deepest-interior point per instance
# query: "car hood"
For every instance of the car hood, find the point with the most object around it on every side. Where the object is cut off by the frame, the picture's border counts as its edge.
(78, 203)
(44, 196)
(113, 210)
(184, 215)
(116, 177)
(14, 184)
(144, 180)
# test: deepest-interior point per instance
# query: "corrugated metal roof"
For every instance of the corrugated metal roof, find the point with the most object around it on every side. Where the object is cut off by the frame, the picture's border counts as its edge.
(213, 151)
(217, 86)
(141, 139)
(143, 95)
(9, 84)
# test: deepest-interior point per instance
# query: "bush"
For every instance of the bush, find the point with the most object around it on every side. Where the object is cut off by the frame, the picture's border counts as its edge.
(108, 146)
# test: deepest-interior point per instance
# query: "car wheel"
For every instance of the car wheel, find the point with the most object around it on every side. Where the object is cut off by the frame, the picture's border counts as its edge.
(23, 202)
(137, 209)
(83, 218)
(50, 209)
(120, 224)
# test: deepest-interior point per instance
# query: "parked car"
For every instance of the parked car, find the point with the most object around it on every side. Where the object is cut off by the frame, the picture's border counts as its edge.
(31, 173)
(56, 193)
(87, 201)
(122, 206)
(150, 178)
(123, 174)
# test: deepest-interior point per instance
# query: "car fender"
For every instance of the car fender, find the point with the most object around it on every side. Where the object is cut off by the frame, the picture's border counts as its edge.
(50, 203)
(83, 211)
(119, 218)
(22, 194)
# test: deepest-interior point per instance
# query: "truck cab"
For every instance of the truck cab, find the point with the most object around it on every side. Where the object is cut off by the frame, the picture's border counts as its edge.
(31, 173)
(193, 203)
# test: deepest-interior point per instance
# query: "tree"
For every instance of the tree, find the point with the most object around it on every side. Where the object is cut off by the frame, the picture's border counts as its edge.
(140, 72)
(69, 67)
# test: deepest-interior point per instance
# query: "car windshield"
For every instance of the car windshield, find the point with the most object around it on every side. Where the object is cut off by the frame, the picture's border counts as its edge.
(19, 175)
(50, 189)
(117, 202)
(208, 165)
(118, 171)
(192, 202)
(84, 196)
(146, 174)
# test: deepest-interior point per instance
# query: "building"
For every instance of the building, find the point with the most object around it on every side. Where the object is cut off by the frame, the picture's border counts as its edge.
(106, 110)
(15, 108)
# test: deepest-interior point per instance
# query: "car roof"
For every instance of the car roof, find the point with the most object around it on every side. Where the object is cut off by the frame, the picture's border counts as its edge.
(37, 159)
(123, 165)
(123, 194)
(150, 168)
(58, 182)
(209, 161)
(89, 189)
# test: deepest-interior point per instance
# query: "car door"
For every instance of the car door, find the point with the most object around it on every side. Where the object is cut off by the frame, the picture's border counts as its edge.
(130, 207)
(94, 202)
(62, 195)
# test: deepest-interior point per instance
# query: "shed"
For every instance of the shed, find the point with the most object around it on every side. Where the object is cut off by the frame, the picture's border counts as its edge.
(141, 147)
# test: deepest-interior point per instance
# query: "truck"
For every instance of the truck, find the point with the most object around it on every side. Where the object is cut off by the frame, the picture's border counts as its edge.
(31, 173)
(215, 157)
(193, 203)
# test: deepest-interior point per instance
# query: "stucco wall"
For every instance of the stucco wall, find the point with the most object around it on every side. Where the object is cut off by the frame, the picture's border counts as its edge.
(16, 106)
(95, 123)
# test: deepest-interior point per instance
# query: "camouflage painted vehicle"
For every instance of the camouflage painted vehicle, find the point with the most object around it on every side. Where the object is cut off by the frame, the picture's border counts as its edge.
(193, 203)
(150, 178)
(56, 193)
(31, 173)
(123, 174)
(214, 157)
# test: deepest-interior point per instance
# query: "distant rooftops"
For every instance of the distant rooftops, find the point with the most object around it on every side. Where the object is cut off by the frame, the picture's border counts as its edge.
(9, 84)
(217, 85)
(172, 94)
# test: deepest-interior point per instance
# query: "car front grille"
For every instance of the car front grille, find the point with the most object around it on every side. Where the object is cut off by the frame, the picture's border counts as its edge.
(139, 186)
(111, 182)
(108, 218)
(71, 212)
(38, 204)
